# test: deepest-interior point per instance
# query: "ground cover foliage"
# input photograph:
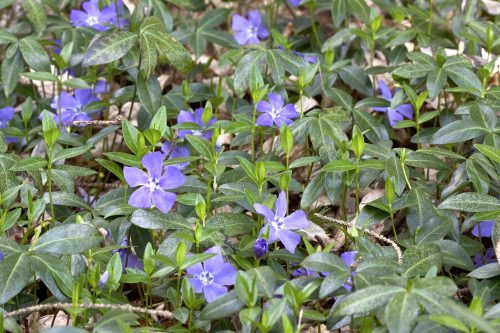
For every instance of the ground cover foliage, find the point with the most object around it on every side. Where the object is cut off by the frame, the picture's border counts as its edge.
(249, 166)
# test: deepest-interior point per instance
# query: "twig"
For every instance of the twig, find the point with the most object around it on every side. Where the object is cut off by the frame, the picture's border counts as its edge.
(125, 307)
(115, 121)
(100, 185)
(399, 254)
(497, 251)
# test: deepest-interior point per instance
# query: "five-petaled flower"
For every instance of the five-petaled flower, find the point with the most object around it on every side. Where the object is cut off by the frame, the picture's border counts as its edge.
(279, 227)
(275, 112)
(484, 229)
(72, 107)
(177, 152)
(251, 30)
(395, 114)
(128, 259)
(100, 20)
(212, 276)
(196, 118)
(295, 3)
(154, 183)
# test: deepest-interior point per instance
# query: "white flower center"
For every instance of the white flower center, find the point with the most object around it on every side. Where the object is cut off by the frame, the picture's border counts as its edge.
(278, 223)
(92, 20)
(197, 132)
(206, 278)
(275, 113)
(252, 31)
(153, 184)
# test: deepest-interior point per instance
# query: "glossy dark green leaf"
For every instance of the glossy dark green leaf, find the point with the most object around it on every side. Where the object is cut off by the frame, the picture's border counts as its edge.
(106, 48)
(471, 202)
(15, 272)
(366, 299)
(222, 307)
(154, 219)
(68, 239)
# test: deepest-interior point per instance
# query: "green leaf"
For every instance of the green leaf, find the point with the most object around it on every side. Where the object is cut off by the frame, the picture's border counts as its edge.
(303, 161)
(425, 160)
(339, 11)
(36, 14)
(251, 60)
(68, 239)
(276, 66)
(231, 224)
(400, 37)
(222, 307)
(366, 299)
(471, 202)
(70, 152)
(455, 255)
(413, 71)
(156, 220)
(450, 322)
(265, 280)
(464, 78)
(489, 151)
(40, 76)
(149, 92)
(357, 79)
(417, 260)
(436, 80)
(29, 163)
(325, 262)
(375, 131)
(15, 273)
(395, 170)
(202, 146)
(124, 158)
(34, 54)
(66, 199)
(106, 48)
(338, 166)
(11, 67)
(458, 131)
(486, 271)
(401, 313)
(483, 115)
(339, 96)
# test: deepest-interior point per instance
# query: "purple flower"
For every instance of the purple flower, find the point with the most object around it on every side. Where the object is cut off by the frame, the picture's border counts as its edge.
(275, 111)
(212, 276)
(395, 115)
(196, 118)
(251, 30)
(486, 229)
(128, 259)
(295, 3)
(2, 255)
(101, 87)
(309, 59)
(279, 227)
(154, 183)
(6, 115)
(177, 152)
(348, 258)
(306, 272)
(103, 280)
(260, 247)
(489, 257)
(72, 106)
(92, 17)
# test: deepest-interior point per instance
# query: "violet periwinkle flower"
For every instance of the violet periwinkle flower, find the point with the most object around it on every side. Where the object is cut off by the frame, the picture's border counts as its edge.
(486, 229)
(103, 280)
(260, 247)
(489, 257)
(92, 17)
(154, 183)
(295, 3)
(306, 272)
(128, 259)
(309, 59)
(177, 152)
(275, 112)
(196, 118)
(249, 30)
(212, 276)
(279, 227)
(2, 255)
(395, 115)
(6, 115)
(348, 258)
(72, 106)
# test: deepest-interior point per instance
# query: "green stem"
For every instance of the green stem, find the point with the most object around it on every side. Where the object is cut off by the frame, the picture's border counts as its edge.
(49, 182)
(253, 132)
(392, 222)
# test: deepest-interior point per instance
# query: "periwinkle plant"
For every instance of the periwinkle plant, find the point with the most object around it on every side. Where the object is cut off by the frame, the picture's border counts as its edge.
(202, 166)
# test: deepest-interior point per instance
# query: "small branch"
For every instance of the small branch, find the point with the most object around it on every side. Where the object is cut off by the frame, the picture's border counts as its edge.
(100, 185)
(102, 123)
(399, 254)
(125, 307)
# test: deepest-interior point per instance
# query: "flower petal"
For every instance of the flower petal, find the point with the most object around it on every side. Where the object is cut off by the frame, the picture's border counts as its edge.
(185, 117)
(226, 275)
(394, 117)
(297, 220)
(135, 176)
(265, 119)
(163, 200)
(264, 211)
(348, 257)
(276, 101)
(197, 285)
(215, 263)
(288, 111)
(384, 90)
(213, 291)
(281, 205)
(153, 162)
(406, 110)
(172, 178)
(263, 106)
(239, 23)
(486, 229)
(196, 269)
(141, 198)
(289, 239)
